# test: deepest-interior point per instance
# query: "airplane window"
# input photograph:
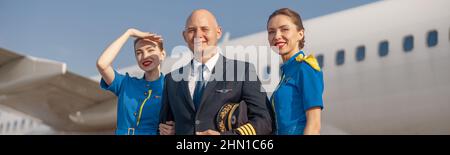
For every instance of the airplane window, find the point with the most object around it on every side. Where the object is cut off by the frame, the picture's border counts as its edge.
(432, 38)
(7, 127)
(383, 48)
(320, 60)
(408, 43)
(267, 72)
(340, 57)
(22, 124)
(360, 53)
(15, 125)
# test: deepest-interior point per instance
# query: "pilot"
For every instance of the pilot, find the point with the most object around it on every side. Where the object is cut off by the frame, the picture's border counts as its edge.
(194, 98)
(297, 100)
(139, 99)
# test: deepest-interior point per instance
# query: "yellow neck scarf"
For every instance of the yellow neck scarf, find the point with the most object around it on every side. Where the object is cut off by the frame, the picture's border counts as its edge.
(310, 59)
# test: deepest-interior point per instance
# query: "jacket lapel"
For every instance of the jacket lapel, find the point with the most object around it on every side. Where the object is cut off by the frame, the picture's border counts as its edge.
(184, 86)
(211, 85)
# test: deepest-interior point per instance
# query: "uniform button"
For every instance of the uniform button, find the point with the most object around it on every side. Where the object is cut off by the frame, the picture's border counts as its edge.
(147, 85)
(145, 93)
(197, 122)
(135, 113)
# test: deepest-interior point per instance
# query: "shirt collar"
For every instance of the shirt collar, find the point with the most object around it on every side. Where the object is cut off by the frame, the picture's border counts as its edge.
(285, 64)
(209, 64)
(157, 81)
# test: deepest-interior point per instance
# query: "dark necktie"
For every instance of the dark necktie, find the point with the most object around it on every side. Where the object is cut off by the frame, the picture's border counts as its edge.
(199, 87)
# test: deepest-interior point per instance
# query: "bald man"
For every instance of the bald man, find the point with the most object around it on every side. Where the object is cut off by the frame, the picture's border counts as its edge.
(195, 93)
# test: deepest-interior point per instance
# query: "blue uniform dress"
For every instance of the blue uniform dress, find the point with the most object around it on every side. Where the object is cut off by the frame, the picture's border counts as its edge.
(139, 103)
(300, 89)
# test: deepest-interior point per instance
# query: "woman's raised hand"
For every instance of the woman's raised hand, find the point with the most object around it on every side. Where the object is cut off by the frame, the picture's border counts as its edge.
(147, 35)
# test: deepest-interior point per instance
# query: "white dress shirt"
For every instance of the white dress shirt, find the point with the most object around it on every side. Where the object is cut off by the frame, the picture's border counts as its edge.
(194, 76)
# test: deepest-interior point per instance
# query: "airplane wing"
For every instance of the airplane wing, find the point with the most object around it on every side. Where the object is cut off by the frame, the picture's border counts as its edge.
(44, 89)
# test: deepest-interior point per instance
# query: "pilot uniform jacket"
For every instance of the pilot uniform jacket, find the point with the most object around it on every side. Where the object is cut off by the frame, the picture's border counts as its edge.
(221, 88)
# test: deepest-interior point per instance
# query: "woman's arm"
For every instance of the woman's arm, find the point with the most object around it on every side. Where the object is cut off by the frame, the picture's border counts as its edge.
(104, 62)
(312, 121)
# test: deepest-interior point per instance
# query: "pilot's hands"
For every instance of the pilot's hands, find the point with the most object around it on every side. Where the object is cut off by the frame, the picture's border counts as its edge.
(167, 129)
(147, 35)
(208, 132)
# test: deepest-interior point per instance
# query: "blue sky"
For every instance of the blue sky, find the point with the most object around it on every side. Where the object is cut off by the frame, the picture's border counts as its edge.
(77, 32)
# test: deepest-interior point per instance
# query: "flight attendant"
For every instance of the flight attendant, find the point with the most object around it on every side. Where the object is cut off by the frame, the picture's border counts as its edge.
(139, 99)
(297, 99)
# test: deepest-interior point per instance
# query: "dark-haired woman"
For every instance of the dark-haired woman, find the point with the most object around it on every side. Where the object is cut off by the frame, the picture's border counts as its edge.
(297, 100)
